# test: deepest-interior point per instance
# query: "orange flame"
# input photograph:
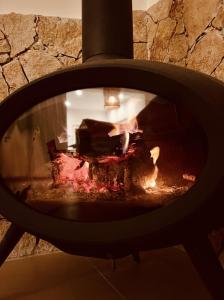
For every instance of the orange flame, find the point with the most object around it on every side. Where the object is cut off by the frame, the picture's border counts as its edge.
(125, 128)
(151, 182)
(155, 154)
(126, 138)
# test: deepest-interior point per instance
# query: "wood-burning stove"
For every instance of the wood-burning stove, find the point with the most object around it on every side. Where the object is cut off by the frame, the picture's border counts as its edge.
(109, 154)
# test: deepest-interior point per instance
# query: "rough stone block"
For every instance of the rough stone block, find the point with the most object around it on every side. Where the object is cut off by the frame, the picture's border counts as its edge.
(64, 35)
(14, 75)
(3, 87)
(161, 43)
(139, 26)
(20, 31)
(4, 46)
(4, 58)
(140, 51)
(218, 22)
(160, 10)
(219, 72)
(208, 53)
(37, 63)
(197, 16)
(178, 48)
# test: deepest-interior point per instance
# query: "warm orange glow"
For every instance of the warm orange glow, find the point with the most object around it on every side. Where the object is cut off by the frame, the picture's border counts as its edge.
(155, 154)
(125, 128)
(151, 181)
(153, 184)
(189, 177)
(130, 126)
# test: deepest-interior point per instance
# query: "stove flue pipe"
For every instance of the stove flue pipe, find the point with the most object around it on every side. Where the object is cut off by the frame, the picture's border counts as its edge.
(107, 29)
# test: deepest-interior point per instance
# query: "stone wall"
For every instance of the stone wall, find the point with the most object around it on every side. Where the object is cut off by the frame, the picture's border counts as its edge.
(32, 46)
(182, 32)
(188, 33)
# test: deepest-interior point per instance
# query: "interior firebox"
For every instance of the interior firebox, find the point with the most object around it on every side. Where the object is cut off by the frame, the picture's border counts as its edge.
(120, 149)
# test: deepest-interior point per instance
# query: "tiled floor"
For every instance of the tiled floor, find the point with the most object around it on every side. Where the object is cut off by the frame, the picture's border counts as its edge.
(163, 274)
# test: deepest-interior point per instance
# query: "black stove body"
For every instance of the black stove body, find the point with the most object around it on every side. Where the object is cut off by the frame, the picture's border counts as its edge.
(107, 56)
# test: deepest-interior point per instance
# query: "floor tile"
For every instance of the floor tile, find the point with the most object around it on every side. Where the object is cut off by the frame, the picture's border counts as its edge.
(55, 276)
(162, 274)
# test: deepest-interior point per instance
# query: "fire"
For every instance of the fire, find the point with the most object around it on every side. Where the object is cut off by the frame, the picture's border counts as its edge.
(125, 128)
(130, 126)
(83, 174)
(155, 154)
(126, 138)
(189, 177)
(71, 170)
(151, 182)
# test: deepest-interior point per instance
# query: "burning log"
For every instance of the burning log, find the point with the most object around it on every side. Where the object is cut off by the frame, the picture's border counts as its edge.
(107, 162)
(109, 154)
(141, 169)
(111, 175)
(93, 139)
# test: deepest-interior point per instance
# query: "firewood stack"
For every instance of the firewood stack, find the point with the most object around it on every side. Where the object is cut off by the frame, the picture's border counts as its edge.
(109, 164)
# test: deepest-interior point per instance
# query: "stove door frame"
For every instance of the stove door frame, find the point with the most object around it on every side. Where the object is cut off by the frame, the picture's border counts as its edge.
(199, 207)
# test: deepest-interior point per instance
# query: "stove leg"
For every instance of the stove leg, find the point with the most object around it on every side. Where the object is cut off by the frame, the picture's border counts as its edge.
(9, 241)
(207, 264)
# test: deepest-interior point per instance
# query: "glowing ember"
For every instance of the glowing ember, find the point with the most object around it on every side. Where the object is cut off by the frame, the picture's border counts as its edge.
(189, 177)
(129, 169)
(152, 184)
(78, 173)
(71, 169)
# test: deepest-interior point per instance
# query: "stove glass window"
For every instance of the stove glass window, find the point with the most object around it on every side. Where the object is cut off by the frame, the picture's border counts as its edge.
(101, 154)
